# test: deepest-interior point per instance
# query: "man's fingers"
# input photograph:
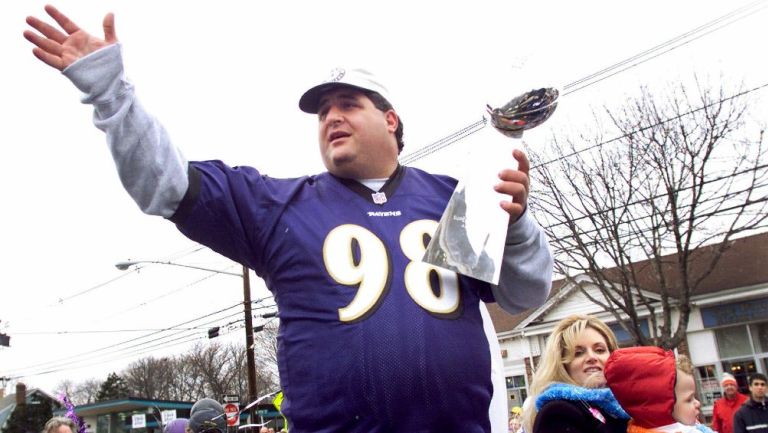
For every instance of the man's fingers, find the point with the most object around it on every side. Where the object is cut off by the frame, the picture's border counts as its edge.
(48, 59)
(109, 28)
(46, 30)
(47, 45)
(62, 19)
(522, 161)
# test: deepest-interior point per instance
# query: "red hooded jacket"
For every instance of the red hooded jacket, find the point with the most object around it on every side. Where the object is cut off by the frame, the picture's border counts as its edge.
(722, 414)
(643, 381)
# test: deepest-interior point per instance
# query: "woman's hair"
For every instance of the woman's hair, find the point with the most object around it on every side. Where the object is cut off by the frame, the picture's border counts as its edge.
(54, 423)
(559, 352)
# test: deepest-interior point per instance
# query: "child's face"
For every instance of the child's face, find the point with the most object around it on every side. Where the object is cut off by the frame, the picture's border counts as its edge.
(686, 409)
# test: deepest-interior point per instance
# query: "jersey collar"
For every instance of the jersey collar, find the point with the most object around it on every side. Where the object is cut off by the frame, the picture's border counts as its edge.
(375, 197)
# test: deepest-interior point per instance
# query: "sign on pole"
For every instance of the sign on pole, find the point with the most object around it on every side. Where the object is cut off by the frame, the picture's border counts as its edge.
(168, 416)
(233, 414)
(139, 420)
(230, 398)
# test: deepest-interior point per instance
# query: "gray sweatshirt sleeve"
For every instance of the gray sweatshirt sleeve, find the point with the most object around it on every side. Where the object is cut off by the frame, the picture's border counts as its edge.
(151, 169)
(526, 272)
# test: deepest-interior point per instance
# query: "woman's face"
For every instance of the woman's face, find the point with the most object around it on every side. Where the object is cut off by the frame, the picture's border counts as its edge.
(589, 355)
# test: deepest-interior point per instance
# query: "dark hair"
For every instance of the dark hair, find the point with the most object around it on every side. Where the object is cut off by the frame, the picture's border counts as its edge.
(757, 376)
(382, 104)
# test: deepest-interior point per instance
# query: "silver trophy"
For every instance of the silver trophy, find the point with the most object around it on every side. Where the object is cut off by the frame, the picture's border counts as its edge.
(472, 231)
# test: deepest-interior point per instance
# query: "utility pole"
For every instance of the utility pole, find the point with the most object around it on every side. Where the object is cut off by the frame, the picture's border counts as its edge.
(214, 332)
(249, 356)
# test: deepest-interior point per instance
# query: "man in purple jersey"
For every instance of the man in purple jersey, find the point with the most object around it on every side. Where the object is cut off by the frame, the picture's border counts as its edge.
(371, 339)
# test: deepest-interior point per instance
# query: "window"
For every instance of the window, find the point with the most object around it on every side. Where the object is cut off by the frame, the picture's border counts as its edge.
(623, 337)
(707, 384)
(516, 391)
(759, 333)
(733, 341)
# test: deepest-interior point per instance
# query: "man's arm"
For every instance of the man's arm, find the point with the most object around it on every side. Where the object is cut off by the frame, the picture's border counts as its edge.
(717, 422)
(526, 272)
(151, 169)
(739, 426)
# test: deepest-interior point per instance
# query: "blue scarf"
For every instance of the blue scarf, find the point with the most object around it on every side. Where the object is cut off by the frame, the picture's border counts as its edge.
(704, 429)
(600, 397)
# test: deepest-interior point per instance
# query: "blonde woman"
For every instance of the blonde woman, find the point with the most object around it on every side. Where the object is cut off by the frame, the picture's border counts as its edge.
(60, 424)
(568, 389)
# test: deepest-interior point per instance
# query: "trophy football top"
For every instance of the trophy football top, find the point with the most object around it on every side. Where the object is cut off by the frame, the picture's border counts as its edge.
(525, 111)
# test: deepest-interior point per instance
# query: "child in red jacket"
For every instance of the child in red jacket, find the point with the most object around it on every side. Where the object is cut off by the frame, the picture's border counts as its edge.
(658, 392)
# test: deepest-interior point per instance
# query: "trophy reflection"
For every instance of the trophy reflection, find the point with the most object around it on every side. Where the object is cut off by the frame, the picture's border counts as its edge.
(472, 231)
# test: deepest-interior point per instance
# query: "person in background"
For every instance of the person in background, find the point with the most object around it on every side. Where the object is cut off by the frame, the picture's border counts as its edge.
(752, 416)
(60, 424)
(569, 386)
(657, 391)
(515, 419)
(207, 416)
(726, 406)
(178, 425)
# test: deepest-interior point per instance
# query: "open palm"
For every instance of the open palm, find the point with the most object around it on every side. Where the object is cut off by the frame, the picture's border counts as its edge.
(60, 49)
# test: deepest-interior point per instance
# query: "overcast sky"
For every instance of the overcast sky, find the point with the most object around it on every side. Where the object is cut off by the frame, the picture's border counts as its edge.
(225, 77)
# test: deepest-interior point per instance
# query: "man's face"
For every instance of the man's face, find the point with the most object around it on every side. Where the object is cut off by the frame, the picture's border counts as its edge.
(356, 139)
(757, 389)
(730, 390)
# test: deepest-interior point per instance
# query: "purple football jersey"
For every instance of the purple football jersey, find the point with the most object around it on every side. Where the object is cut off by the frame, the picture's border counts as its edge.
(371, 339)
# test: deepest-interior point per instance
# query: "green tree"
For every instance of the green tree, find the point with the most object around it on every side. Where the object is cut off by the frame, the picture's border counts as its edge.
(113, 388)
(29, 418)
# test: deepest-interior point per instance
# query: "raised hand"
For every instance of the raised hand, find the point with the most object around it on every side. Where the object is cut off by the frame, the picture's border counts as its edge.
(516, 184)
(60, 49)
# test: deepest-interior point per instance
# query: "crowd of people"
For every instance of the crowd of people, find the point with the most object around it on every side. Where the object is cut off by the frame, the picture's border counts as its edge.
(584, 383)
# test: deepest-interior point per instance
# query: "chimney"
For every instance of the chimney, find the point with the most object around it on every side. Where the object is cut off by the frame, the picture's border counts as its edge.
(21, 394)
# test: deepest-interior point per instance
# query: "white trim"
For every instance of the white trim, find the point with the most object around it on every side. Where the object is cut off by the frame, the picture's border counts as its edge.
(498, 411)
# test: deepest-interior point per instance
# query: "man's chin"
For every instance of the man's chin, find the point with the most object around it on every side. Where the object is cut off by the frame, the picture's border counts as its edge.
(341, 165)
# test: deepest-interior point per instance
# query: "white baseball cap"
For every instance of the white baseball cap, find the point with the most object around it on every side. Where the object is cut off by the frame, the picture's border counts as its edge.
(355, 78)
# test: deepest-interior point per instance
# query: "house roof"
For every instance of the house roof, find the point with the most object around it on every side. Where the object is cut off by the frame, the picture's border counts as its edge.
(8, 403)
(129, 404)
(743, 264)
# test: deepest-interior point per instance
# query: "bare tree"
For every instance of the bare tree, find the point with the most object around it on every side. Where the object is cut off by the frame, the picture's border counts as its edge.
(265, 347)
(151, 378)
(86, 391)
(206, 370)
(66, 387)
(687, 170)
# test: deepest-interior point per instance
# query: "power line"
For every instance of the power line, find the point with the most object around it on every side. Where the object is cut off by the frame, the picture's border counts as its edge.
(60, 301)
(645, 128)
(568, 88)
(57, 370)
(648, 199)
(91, 352)
(161, 296)
(446, 141)
(595, 229)
(141, 347)
(102, 331)
(443, 142)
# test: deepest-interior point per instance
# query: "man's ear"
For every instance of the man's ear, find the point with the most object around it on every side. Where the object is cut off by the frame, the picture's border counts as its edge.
(392, 121)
